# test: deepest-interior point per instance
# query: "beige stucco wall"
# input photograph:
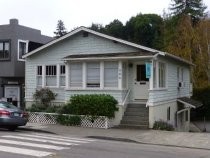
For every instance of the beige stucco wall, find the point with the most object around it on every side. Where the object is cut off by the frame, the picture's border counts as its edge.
(118, 115)
(159, 112)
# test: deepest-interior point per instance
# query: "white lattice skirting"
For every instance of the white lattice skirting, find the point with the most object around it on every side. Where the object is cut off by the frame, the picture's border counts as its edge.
(50, 118)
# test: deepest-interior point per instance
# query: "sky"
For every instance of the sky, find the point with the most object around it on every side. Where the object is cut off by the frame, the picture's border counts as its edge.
(44, 14)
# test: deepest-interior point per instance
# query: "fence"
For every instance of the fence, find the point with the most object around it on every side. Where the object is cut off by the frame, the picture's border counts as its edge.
(50, 118)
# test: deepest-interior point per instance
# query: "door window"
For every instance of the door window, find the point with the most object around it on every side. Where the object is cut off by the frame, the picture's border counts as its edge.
(141, 73)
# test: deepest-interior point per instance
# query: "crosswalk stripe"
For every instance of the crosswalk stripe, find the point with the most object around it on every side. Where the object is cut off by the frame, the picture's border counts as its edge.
(53, 138)
(22, 151)
(32, 144)
(38, 140)
(62, 137)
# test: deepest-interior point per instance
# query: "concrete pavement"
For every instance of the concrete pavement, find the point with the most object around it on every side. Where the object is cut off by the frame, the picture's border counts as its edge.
(180, 139)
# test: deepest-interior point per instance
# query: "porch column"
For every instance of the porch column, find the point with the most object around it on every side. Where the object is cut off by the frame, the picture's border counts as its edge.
(67, 75)
(58, 76)
(120, 74)
(84, 75)
(102, 75)
(43, 76)
(151, 77)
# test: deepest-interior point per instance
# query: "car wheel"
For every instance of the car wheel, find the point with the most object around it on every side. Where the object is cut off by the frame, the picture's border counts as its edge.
(12, 128)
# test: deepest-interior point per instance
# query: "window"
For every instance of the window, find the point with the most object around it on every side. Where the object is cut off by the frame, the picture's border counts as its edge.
(75, 75)
(180, 76)
(162, 75)
(93, 74)
(168, 113)
(4, 50)
(62, 75)
(51, 73)
(39, 75)
(22, 48)
(110, 74)
(141, 73)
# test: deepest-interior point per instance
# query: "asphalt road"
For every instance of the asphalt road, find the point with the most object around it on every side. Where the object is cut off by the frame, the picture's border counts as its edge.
(26, 144)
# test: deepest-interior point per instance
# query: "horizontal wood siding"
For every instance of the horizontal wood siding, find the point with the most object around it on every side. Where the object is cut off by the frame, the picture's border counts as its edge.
(76, 44)
(172, 91)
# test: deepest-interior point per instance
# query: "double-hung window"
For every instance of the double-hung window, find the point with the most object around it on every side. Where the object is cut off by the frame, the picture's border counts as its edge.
(51, 73)
(39, 75)
(62, 75)
(110, 74)
(162, 75)
(76, 74)
(93, 74)
(4, 50)
(22, 48)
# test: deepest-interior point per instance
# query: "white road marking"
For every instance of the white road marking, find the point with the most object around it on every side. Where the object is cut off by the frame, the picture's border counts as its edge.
(28, 152)
(54, 138)
(38, 140)
(32, 144)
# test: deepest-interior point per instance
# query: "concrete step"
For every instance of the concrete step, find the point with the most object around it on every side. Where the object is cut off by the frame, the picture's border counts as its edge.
(137, 109)
(137, 118)
(141, 114)
(134, 122)
(136, 106)
(128, 126)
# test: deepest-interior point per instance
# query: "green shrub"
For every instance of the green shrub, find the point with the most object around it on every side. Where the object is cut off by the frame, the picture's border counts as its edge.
(69, 120)
(91, 105)
(162, 125)
(44, 96)
(41, 108)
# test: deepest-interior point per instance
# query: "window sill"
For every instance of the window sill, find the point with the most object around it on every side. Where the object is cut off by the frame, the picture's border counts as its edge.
(94, 89)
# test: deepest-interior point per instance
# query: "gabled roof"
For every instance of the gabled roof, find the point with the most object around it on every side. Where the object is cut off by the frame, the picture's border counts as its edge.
(107, 37)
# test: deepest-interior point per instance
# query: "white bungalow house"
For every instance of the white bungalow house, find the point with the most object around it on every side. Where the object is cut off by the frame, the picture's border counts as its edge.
(148, 84)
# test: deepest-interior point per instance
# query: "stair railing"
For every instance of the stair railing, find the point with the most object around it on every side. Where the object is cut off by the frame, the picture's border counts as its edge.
(126, 97)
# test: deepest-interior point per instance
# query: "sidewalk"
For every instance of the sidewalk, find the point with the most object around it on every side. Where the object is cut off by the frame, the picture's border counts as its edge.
(180, 139)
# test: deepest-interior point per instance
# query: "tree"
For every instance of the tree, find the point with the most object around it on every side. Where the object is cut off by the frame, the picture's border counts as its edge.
(60, 29)
(145, 29)
(97, 27)
(116, 29)
(193, 8)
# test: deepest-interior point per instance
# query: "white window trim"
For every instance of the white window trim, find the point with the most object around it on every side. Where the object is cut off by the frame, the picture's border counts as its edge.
(39, 75)
(24, 41)
(45, 81)
(157, 77)
(59, 75)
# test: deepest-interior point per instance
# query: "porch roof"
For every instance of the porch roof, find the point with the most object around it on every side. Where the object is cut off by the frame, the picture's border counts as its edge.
(127, 55)
(190, 102)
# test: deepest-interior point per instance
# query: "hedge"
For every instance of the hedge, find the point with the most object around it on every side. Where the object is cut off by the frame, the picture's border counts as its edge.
(92, 105)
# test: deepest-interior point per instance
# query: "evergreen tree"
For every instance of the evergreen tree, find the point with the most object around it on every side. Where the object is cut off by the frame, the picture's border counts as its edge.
(60, 29)
(193, 8)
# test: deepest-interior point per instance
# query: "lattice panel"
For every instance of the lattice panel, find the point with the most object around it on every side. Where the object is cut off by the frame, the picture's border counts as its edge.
(46, 118)
(50, 118)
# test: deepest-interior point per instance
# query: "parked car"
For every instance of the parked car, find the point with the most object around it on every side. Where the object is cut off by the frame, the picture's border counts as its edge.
(11, 117)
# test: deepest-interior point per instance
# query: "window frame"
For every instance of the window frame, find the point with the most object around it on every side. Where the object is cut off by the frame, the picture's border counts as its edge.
(9, 53)
(62, 74)
(50, 73)
(39, 75)
(96, 85)
(22, 41)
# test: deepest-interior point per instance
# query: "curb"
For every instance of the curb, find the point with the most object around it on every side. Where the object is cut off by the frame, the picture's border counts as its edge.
(139, 142)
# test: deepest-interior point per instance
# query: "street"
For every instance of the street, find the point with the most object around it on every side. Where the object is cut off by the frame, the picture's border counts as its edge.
(25, 144)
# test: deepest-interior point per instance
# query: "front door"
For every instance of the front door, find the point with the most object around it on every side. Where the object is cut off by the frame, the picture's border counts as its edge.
(12, 94)
(141, 83)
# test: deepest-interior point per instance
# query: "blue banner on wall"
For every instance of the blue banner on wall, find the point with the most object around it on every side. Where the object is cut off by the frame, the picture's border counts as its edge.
(148, 70)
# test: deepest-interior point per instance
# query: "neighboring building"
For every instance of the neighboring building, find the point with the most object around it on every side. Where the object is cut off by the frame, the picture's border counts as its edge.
(15, 41)
(150, 83)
